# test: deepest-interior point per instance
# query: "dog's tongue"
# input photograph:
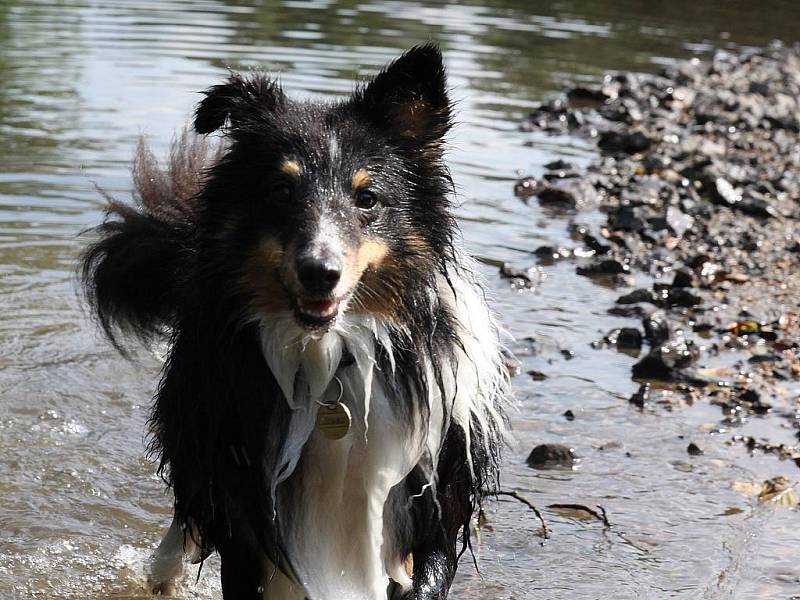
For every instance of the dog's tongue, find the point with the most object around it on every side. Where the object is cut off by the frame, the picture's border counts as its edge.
(321, 306)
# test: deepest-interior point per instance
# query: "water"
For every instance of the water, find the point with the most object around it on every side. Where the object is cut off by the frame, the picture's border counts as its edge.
(81, 506)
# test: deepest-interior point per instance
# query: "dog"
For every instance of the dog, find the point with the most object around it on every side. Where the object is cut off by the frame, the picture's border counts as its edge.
(330, 412)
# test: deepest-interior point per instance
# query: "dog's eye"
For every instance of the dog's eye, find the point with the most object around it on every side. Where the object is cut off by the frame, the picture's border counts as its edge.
(282, 192)
(366, 199)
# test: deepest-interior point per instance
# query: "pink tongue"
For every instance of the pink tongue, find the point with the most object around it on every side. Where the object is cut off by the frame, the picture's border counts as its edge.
(322, 306)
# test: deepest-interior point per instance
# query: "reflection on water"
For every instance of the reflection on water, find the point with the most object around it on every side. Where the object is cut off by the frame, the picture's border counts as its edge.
(82, 80)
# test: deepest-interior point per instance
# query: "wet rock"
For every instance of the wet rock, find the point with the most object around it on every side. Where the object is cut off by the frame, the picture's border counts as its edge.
(568, 354)
(569, 193)
(559, 165)
(694, 450)
(551, 254)
(629, 311)
(537, 375)
(722, 192)
(656, 328)
(607, 266)
(666, 360)
(626, 338)
(557, 175)
(521, 278)
(582, 96)
(680, 297)
(764, 358)
(629, 218)
(569, 415)
(684, 278)
(528, 186)
(757, 206)
(551, 456)
(592, 243)
(636, 296)
(626, 142)
(641, 396)
(678, 221)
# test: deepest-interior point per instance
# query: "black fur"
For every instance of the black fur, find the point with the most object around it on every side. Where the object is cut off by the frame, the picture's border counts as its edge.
(219, 416)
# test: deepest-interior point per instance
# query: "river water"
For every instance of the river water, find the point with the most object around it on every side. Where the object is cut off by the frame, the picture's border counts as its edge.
(80, 505)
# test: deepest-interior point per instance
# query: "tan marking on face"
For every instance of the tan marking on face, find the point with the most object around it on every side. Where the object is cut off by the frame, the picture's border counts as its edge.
(360, 179)
(292, 168)
(260, 277)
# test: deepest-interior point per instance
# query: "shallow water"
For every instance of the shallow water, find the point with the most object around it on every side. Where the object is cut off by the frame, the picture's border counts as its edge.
(81, 506)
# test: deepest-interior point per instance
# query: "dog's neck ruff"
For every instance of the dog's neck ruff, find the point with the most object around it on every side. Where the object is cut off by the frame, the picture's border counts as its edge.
(334, 502)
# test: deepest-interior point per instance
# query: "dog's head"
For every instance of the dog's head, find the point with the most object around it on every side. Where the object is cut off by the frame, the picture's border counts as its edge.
(331, 208)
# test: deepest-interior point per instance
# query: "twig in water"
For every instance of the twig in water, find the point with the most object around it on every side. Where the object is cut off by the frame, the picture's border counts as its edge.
(529, 504)
(601, 516)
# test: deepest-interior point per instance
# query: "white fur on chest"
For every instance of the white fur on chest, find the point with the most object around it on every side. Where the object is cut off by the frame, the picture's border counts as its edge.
(336, 524)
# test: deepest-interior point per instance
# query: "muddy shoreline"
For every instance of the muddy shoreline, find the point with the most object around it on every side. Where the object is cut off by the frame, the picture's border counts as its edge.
(698, 174)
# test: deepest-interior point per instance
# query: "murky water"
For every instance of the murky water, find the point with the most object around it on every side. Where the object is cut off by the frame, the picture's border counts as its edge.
(80, 505)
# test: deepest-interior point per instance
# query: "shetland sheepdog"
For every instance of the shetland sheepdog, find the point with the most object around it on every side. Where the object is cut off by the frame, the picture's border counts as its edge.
(330, 411)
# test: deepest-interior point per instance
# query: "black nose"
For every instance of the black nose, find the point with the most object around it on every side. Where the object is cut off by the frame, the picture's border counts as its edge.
(318, 275)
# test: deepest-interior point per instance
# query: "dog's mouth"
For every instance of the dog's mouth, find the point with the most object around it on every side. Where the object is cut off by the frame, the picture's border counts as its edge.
(316, 314)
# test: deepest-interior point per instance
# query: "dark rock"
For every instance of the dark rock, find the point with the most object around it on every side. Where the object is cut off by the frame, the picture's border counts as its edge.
(521, 278)
(641, 396)
(684, 278)
(608, 266)
(568, 354)
(537, 375)
(592, 243)
(702, 327)
(636, 296)
(551, 456)
(525, 187)
(628, 310)
(694, 450)
(546, 251)
(578, 230)
(656, 328)
(628, 218)
(581, 96)
(625, 142)
(556, 175)
(571, 193)
(559, 165)
(666, 360)
(569, 415)
(764, 358)
(628, 338)
(682, 297)
(757, 207)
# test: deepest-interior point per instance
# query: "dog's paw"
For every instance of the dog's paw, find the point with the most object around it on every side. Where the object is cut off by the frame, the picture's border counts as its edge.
(162, 588)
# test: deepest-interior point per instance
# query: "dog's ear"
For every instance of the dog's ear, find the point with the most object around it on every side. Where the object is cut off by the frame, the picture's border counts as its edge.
(409, 97)
(242, 99)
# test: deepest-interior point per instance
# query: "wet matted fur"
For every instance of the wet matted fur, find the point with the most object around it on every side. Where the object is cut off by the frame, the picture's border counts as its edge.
(313, 256)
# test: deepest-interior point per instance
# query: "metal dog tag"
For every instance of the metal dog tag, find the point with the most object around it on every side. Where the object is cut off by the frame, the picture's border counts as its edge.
(334, 420)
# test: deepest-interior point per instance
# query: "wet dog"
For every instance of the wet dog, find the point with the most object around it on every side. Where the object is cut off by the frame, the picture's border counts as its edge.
(330, 411)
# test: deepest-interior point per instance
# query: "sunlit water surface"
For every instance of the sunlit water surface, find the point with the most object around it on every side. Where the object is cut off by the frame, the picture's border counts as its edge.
(80, 505)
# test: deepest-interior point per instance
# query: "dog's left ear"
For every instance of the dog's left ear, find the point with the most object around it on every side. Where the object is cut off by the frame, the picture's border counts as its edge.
(409, 97)
(241, 99)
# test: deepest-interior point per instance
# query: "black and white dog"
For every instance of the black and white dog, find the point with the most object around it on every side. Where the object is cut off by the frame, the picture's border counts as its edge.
(331, 409)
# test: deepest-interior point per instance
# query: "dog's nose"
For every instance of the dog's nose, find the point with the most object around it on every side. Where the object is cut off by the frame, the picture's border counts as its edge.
(319, 275)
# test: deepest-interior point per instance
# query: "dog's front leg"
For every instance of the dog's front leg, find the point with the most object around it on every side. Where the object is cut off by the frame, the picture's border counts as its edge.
(243, 573)
(167, 564)
(433, 574)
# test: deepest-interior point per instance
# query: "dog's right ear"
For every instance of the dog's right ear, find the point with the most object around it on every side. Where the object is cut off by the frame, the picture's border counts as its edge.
(241, 99)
